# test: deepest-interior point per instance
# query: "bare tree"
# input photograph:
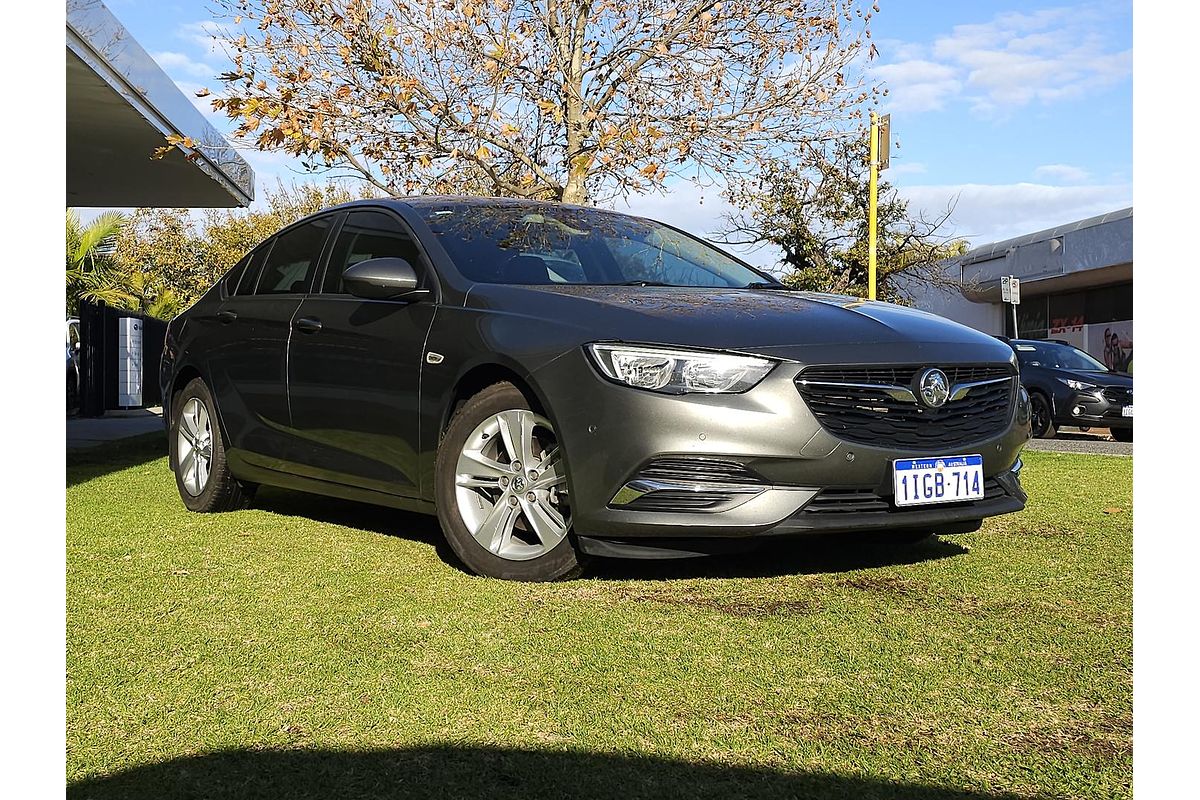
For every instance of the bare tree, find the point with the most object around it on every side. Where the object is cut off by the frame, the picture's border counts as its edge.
(573, 100)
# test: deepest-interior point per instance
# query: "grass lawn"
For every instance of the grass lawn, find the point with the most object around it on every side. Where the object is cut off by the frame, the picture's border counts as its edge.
(314, 648)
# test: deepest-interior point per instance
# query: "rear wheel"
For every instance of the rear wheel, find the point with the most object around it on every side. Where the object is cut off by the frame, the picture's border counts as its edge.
(1041, 416)
(1122, 434)
(198, 454)
(501, 490)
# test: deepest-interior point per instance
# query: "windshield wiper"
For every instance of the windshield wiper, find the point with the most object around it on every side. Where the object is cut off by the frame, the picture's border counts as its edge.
(641, 283)
(768, 285)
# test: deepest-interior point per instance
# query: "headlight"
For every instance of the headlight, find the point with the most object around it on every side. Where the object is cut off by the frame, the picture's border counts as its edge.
(1078, 386)
(662, 369)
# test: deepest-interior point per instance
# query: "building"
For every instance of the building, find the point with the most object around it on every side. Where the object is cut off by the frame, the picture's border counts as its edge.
(120, 107)
(1076, 286)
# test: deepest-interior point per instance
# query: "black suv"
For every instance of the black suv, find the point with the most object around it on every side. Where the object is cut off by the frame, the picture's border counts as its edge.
(1068, 387)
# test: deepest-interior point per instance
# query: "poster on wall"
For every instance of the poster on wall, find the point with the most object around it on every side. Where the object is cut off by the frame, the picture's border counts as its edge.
(1070, 329)
(1112, 343)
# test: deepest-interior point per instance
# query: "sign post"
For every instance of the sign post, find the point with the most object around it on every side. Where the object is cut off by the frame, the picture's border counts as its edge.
(880, 133)
(1010, 292)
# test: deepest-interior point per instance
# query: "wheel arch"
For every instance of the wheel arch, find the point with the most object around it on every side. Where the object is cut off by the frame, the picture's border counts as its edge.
(479, 377)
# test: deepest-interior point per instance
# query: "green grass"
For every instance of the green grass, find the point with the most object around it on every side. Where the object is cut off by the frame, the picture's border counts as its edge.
(314, 648)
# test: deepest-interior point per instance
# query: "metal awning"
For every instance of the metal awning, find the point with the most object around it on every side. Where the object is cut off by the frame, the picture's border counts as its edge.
(120, 107)
(1089, 252)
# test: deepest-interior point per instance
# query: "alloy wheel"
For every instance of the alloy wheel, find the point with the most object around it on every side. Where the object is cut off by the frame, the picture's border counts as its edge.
(510, 486)
(194, 446)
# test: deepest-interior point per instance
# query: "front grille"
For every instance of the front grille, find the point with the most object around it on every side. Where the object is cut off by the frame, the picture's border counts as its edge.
(698, 470)
(870, 415)
(1118, 394)
(868, 501)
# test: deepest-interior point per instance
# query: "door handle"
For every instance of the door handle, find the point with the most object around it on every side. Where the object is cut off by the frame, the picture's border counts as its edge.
(307, 324)
(226, 316)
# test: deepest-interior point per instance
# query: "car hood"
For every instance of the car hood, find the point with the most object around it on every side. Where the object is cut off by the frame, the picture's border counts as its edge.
(783, 324)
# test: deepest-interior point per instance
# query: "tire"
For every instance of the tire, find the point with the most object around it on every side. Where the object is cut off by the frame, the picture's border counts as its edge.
(1121, 434)
(203, 489)
(1041, 419)
(504, 521)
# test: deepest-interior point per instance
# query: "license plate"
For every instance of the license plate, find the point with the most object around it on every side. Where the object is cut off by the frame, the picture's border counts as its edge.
(1127, 411)
(943, 479)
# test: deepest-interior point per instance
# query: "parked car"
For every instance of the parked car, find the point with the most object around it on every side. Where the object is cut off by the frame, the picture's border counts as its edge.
(73, 355)
(554, 381)
(1069, 387)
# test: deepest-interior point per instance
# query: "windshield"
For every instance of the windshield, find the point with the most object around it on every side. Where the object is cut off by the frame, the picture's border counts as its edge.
(554, 245)
(1056, 356)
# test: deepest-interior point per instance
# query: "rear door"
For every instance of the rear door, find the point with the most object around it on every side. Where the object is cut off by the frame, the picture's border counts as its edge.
(354, 368)
(248, 360)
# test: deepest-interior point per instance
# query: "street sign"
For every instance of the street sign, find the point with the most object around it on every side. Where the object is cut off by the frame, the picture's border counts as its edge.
(1010, 290)
(885, 137)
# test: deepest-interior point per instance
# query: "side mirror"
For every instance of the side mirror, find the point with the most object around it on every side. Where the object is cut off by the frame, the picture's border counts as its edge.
(383, 279)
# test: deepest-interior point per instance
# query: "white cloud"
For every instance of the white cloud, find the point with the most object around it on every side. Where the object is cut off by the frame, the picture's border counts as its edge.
(992, 212)
(208, 35)
(1012, 61)
(179, 64)
(898, 168)
(1061, 172)
(918, 85)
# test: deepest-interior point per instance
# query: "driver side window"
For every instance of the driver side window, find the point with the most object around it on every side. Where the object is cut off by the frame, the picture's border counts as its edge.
(367, 235)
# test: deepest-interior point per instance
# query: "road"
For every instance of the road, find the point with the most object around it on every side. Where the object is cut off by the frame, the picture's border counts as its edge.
(1071, 442)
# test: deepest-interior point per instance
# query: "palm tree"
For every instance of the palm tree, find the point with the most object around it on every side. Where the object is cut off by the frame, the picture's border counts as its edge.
(90, 274)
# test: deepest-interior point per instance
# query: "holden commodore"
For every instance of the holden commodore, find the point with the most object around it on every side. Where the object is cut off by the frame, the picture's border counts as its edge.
(557, 382)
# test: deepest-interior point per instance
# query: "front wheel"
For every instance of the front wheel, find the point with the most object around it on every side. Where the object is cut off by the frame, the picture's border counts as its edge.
(501, 490)
(1122, 434)
(1041, 417)
(198, 454)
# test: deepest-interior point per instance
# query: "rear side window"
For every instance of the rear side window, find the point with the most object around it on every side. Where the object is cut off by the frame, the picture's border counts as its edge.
(366, 235)
(293, 259)
(249, 276)
(234, 275)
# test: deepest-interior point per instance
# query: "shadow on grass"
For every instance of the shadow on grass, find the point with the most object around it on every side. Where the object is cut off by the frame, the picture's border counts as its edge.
(479, 772)
(793, 556)
(102, 459)
(802, 555)
(351, 514)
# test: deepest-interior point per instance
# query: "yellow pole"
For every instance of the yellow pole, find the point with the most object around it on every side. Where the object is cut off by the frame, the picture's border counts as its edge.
(871, 223)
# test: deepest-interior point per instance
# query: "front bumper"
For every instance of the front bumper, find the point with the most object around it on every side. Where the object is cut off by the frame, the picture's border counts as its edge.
(1092, 409)
(610, 432)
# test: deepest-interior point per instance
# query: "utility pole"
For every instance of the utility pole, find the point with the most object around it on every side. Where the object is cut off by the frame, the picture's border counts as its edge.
(881, 132)
(874, 202)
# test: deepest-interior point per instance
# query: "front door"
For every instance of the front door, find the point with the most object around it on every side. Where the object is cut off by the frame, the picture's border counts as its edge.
(354, 368)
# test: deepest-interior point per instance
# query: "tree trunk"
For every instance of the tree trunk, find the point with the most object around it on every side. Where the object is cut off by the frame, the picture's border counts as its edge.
(576, 189)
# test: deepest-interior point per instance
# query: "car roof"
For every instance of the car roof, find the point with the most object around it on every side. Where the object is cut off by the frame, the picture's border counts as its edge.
(473, 201)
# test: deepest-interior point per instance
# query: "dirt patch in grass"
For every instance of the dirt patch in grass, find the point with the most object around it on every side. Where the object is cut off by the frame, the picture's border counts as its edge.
(868, 731)
(1107, 738)
(737, 604)
(890, 585)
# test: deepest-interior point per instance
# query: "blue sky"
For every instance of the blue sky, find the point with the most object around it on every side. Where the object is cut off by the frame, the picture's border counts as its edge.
(1022, 111)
